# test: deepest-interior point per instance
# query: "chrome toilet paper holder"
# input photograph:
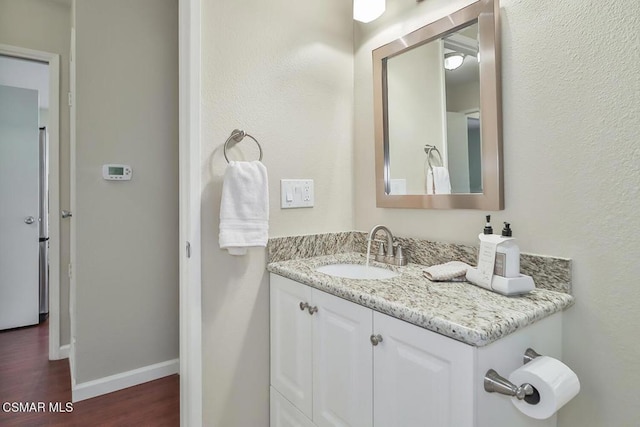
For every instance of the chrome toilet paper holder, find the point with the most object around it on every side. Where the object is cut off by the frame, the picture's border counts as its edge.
(495, 383)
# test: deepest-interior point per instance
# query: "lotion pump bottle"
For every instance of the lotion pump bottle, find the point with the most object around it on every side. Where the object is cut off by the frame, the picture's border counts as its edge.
(507, 255)
(487, 228)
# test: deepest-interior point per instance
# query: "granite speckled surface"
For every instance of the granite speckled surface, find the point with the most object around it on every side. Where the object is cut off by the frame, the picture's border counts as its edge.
(296, 247)
(458, 310)
(551, 273)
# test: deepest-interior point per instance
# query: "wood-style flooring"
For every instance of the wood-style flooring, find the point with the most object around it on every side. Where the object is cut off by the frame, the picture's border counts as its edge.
(27, 377)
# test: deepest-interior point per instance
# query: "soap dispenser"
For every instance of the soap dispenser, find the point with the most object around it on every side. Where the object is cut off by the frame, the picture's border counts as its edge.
(487, 227)
(498, 267)
(507, 255)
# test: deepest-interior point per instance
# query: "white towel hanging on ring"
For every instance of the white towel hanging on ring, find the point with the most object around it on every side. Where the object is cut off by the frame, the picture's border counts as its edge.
(441, 181)
(244, 208)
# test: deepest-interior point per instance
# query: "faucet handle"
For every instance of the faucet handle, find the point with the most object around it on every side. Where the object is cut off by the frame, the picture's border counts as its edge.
(398, 251)
(381, 252)
(399, 258)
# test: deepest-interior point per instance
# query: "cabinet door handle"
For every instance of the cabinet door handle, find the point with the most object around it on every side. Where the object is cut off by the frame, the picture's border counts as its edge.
(376, 339)
(303, 305)
(312, 310)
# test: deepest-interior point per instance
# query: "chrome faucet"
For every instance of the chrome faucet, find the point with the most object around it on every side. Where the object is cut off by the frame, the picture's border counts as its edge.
(387, 256)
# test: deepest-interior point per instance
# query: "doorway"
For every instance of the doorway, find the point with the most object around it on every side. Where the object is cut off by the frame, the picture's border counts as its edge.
(42, 75)
(190, 318)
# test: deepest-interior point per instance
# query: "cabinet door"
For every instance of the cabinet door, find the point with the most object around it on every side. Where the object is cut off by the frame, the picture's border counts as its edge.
(421, 378)
(291, 369)
(284, 414)
(342, 362)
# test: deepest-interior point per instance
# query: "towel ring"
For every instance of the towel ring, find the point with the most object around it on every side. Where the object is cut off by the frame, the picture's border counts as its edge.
(429, 149)
(237, 136)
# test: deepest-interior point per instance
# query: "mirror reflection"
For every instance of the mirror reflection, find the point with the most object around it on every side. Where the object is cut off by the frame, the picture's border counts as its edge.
(433, 116)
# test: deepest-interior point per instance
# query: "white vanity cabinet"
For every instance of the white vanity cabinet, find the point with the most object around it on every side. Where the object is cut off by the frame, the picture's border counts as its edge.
(320, 354)
(341, 359)
(346, 365)
(420, 378)
(291, 346)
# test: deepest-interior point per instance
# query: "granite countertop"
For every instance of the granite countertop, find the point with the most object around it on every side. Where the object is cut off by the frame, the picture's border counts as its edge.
(458, 310)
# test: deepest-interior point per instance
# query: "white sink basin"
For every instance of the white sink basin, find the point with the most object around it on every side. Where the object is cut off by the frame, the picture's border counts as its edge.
(356, 271)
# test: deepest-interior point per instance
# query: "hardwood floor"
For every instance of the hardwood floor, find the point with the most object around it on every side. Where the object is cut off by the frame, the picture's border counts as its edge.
(29, 379)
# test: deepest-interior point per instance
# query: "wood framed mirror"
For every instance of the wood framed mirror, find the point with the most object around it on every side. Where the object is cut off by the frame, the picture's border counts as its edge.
(438, 123)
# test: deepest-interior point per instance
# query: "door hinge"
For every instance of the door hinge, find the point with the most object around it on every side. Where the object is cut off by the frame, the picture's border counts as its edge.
(188, 248)
(70, 99)
(70, 272)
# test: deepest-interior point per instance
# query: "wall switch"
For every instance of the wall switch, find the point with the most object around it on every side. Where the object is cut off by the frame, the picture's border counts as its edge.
(296, 193)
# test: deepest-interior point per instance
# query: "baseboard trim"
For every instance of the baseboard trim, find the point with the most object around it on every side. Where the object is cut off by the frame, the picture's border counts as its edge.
(124, 380)
(63, 353)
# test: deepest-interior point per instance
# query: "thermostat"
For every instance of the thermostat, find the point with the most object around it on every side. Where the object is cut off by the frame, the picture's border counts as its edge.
(116, 172)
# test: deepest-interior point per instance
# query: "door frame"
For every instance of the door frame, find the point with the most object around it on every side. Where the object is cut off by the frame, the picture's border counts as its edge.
(53, 129)
(190, 194)
(189, 210)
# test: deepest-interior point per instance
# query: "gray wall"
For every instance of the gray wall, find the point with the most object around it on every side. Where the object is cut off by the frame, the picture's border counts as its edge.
(571, 94)
(46, 25)
(281, 70)
(127, 232)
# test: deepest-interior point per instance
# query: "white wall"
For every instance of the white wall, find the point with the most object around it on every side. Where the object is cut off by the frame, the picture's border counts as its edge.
(127, 232)
(46, 26)
(571, 97)
(463, 96)
(283, 71)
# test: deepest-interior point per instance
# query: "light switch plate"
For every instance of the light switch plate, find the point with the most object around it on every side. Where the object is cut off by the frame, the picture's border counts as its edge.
(296, 193)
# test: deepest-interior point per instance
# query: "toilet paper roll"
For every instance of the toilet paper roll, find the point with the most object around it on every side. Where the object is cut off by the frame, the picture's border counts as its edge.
(554, 381)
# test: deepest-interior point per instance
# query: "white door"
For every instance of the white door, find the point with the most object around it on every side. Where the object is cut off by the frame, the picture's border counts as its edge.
(291, 341)
(421, 378)
(342, 362)
(19, 166)
(458, 152)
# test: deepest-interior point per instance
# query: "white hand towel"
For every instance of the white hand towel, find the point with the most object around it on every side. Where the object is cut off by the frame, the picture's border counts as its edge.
(429, 182)
(453, 271)
(441, 182)
(244, 209)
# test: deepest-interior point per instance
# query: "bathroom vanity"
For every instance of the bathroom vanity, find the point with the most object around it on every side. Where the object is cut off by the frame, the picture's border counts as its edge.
(374, 350)
(402, 351)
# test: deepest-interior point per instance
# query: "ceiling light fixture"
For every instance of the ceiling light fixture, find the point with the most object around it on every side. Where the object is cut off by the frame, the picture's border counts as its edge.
(367, 10)
(453, 60)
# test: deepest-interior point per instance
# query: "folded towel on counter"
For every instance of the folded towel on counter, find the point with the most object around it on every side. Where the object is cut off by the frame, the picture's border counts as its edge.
(453, 271)
(244, 208)
(441, 181)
